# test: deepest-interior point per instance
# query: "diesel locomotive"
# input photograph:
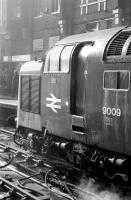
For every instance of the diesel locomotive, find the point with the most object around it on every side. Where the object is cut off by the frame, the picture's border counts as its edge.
(76, 106)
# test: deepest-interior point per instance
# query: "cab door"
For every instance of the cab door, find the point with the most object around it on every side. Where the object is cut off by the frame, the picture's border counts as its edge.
(78, 87)
(56, 90)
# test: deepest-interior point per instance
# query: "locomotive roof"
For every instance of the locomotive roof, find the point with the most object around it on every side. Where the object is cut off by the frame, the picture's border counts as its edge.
(31, 67)
(91, 36)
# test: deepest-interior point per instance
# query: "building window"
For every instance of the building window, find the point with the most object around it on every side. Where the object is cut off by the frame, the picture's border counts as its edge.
(3, 12)
(92, 26)
(38, 8)
(41, 6)
(109, 23)
(116, 15)
(55, 6)
(16, 10)
(91, 6)
(38, 44)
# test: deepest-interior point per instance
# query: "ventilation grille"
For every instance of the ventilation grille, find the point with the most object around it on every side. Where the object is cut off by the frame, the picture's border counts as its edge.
(129, 50)
(30, 94)
(34, 96)
(115, 48)
(25, 93)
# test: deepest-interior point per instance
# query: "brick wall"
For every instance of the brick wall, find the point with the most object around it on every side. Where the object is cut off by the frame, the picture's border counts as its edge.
(19, 27)
(80, 21)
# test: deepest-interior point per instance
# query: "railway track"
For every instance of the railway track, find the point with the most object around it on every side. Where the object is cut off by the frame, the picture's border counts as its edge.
(12, 191)
(17, 160)
(51, 176)
(6, 131)
(38, 170)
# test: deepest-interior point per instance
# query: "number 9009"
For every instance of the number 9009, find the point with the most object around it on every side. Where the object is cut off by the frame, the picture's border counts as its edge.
(111, 111)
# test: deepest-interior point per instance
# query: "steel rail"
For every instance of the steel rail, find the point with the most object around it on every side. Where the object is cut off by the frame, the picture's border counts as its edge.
(7, 131)
(12, 168)
(46, 165)
(20, 190)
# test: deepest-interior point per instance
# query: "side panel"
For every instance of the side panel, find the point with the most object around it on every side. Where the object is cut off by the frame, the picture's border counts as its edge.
(116, 110)
(29, 102)
(29, 120)
(56, 104)
(55, 92)
(94, 99)
(108, 107)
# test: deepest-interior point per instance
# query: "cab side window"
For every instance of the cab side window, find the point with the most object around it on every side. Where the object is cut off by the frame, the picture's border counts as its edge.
(116, 80)
(58, 59)
(65, 59)
(54, 59)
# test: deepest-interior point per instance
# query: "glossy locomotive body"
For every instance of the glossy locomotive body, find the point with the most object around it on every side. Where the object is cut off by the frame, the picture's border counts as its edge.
(83, 94)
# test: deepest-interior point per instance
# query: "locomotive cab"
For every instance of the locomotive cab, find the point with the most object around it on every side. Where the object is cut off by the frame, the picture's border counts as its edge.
(64, 90)
(72, 92)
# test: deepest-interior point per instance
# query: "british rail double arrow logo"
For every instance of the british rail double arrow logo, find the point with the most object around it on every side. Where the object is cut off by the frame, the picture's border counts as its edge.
(53, 101)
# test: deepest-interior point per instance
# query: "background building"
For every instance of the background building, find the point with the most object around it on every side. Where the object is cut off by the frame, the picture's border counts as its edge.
(28, 28)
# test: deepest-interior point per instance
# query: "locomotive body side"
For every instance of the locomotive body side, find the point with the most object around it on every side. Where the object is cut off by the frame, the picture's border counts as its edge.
(116, 98)
(76, 106)
(109, 113)
(116, 108)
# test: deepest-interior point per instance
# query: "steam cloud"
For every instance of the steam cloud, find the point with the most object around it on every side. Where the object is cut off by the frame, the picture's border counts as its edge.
(94, 191)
